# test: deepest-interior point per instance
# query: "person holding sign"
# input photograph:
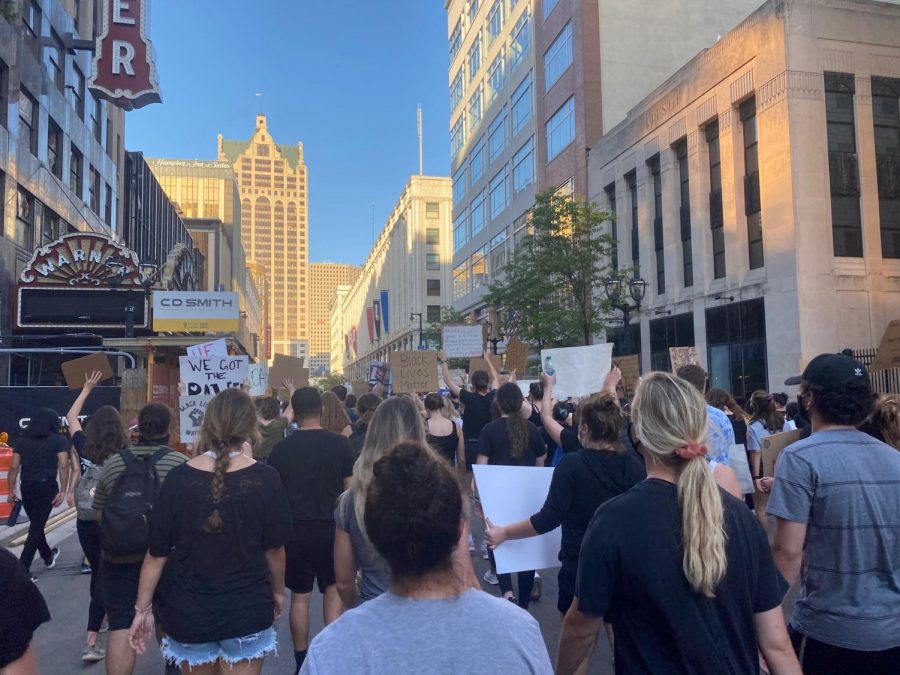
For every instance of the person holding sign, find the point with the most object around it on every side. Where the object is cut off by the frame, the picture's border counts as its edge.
(670, 559)
(477, 412)
(765, 420)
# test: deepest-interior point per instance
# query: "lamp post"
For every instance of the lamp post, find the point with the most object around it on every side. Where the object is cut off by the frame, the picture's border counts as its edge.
(637, 288)
(118, 268)
(413, 315)
(497, 339)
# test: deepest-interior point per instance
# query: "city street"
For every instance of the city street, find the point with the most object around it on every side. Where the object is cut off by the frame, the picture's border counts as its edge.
(59, 643)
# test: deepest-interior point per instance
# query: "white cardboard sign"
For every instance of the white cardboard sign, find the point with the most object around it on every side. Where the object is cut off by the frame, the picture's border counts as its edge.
(510, 494)
(208, 349)
(737, 460)
(259, 379)
(191, 411)
(209, 376)
(580, 371)
(524, 385)
(462, 341)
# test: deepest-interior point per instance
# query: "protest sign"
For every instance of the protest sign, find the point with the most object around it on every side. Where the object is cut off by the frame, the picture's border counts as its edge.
(414, 371)
(772, 447)
(510, 494)
(259, 379)
(524, 385)
(359, 388)
(462, 340)
(737, 460)
(75, 370)
(212, 375)
(580, 371)
(517, 355)
(683, 356)
(481, 364)
(288, 368)
(888, 354)
(379, 373)
(631, 373)
(191, 411)
(207, 349)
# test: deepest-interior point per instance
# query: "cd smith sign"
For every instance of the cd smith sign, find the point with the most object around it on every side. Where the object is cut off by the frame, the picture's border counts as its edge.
(195, 311)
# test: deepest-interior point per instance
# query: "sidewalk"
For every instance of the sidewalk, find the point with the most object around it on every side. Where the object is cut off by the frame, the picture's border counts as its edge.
(59, 518)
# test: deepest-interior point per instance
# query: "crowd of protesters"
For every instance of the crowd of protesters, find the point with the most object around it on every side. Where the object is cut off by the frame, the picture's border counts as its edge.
(663, 551)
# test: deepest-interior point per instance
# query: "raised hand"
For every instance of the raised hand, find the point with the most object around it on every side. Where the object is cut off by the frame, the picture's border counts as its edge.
(91, 381)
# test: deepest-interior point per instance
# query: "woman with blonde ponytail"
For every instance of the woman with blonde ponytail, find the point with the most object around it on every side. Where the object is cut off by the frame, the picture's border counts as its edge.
(680, 568)
(221, 521)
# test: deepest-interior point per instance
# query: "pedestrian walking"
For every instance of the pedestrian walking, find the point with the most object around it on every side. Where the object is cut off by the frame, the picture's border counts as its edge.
(415, 520)
(836, 503)
(334, 415)
(218, 527)
(271, 424)
(365, 409)
(40, 455)
(476, 404)
(765, 419)
(442, 433)
(315, 466)
(680, 567)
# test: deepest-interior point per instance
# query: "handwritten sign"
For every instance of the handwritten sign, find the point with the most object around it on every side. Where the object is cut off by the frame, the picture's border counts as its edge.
(212, 375)
(580, 371)
(631, 373)
(462, 340)
(288, 368)
(888, 354)
(683, 356)
(75, 370)
(517, 355)
(208, 349)
(259, 379)
(191, 411)
(773, 445)
(481, 364)
(414, 371)
(360, 388)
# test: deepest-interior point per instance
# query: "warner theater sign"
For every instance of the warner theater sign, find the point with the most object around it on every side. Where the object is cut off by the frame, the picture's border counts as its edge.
(123, 71)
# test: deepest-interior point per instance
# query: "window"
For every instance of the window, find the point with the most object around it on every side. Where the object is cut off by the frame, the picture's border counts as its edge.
(457, 137)
(433, 313)
(523, 166)
(499, 193)
(561, 129)
(558, 57)
(460, 280)
(716, 217)
(752, 206)
(25, 217)
(57, 61)
(658, 242)
(432, 261)
(631, 182)
(54, 149)
(476, 109)
(495, 20)
(96, 117)
(478, 267)
(474, 59)
(460, 232)
(4, 93)
(498, 252)
(497, 134)
(736, 343)
(459, 184)
(455, 40)
(78, 92)
(684, 212)
(31, 23)
(432, 287)
(94, 190)
(886, 118)
(497, 74)
(109, 136)
(548, 7)
(521, 105)
(610, 191)
(476, 161)
(76, 163)
(477, 209)
(210, 198)
(52, 227)
(28, 117)
(107, 206)
(456, 90)
(520, 42)
(262, 150)
(473, 9)
(432, 210)
(668, 332)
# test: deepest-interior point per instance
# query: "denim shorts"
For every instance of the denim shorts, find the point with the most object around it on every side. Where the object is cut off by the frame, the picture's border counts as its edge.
(233, 651)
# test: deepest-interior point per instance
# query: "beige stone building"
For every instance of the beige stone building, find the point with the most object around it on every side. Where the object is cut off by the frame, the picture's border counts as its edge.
(339, 327)
(533, 84)
(324, 279)
(272, 180)
(758, 190)
(405, 278)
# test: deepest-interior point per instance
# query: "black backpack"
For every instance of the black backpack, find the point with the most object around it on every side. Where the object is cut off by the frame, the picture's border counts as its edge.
(125, 525)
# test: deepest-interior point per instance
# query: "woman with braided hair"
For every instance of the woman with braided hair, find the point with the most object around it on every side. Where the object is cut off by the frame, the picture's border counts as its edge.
(221, 521)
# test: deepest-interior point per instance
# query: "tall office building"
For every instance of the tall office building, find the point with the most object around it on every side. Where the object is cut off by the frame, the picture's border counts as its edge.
(533, 85)
(324, 279)
(272, 180)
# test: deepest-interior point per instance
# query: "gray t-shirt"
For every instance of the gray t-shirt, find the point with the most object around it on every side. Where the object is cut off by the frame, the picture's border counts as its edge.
(391, 634)
(845, 486)
(374, 575)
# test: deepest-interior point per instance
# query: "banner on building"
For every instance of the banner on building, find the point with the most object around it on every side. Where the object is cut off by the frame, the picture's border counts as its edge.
(384, 311)
(370, 323)
(196, 311)
(376, 307)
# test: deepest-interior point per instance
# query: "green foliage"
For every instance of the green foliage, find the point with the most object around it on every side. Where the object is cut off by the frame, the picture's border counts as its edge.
(331, 380)
(552, 287)
(432, 333)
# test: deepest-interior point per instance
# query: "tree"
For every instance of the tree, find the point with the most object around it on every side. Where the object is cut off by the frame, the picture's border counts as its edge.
(331, 380)
(550, 291)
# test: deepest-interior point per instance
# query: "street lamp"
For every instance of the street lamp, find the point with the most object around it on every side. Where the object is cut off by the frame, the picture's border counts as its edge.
(637, 288)
(412, 315)
(498, 338)
(147, 271)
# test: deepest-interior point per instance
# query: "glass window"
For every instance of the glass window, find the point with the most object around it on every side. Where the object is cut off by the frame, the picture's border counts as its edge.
(495, 20)
(455, 40)
(54, 149)
(31, 23)
(846, 225)
(478, 267)
(497, 74)
(94, 190)
(459, 184)
(4, 92)
(476, 161)
(499, 193)
(456, 90)
(28, 118)
(432, 210)
(561, 129)
(107, 205)
(57, 61)
(96, 118)
(457, 137)
(521, 105)
(886, 118)
(476, 109)
(736, 339)
(432, 287)
(610, 191)
(473, 9)
(687, 255)
(558, 57)
(498, 252)
(75, 171)
(474, 59)
(497, 134)
(432, 261)
(716, 216)
(25, 218)
(658, 242)
(78, 92)
(549, 5)
(477, 210)
(523, 166)
(520, 42)
(460, 230)
(433, 313)
(460, 280)
(631, 182)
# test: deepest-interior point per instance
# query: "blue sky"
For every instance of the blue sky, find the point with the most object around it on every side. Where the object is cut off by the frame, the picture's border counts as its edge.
(343, 76)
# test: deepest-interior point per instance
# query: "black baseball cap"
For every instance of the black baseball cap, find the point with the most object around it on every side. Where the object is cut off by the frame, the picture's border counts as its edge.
(832, 372)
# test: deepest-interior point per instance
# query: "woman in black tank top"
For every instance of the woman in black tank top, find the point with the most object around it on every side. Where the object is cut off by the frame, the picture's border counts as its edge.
(448, 445)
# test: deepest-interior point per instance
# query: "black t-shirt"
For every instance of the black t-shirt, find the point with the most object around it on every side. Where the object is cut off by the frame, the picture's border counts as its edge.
(313, 464)
(477, 412)
(494, 444)
(39, 455)
(22, 610)
(79, 440)
(219, 584)
(568, 441)
(581, 482)
(630, 571)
